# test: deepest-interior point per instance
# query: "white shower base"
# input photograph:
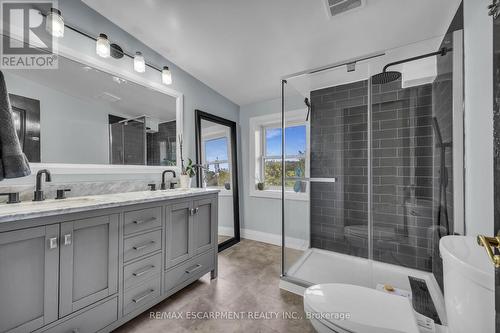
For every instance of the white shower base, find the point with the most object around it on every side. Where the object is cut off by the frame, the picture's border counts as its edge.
(317, 266)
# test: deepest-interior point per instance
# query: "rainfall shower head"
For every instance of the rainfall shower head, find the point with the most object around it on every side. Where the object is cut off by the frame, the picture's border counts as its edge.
(385, 77)
(308, 104)
(389, 76)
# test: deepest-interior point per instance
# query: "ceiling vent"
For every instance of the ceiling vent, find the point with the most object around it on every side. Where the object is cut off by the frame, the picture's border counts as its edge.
(337, 7)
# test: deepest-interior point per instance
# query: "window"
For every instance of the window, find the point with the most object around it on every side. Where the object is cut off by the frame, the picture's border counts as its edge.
(295, 155)
(216, 159)
(265, 155)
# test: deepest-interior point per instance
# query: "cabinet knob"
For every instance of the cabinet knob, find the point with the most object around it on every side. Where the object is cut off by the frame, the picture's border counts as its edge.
(67, 239)
(53, 243)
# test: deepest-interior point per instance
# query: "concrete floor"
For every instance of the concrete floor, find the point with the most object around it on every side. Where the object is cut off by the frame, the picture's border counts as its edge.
(248, 282)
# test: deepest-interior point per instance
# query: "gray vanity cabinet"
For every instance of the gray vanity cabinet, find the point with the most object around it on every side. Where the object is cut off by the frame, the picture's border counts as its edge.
(92, 271)
(190, 229)
(89, 262)
(179, 230)
(204, 225)
(29, 271)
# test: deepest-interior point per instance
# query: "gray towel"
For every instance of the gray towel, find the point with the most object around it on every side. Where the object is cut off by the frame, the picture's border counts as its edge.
(13, 162)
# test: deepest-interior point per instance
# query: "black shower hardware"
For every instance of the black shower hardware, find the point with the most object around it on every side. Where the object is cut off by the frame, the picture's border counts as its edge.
(389, 76)
(308, 104)
(442, 215)
(38, 194)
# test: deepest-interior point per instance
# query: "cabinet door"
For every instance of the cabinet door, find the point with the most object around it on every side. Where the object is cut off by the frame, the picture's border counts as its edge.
(204, 224)
(29, 270)
(89, 262)
(179, 230)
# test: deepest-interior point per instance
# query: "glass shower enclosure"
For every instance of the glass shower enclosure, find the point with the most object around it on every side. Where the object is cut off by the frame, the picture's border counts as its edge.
(383, 170)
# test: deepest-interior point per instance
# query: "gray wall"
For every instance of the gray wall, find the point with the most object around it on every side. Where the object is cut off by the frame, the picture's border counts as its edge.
(264, 214)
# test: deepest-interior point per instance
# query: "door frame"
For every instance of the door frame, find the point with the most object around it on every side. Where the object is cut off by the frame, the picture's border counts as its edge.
(199, 116)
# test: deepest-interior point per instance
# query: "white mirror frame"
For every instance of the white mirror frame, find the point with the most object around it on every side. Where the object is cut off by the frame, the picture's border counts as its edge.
(82, 50)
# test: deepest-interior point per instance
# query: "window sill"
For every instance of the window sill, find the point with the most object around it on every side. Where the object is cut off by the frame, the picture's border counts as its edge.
(276, 194)
(223, 192)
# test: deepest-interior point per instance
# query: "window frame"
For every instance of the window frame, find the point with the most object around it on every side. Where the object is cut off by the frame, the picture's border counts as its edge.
(258, 126)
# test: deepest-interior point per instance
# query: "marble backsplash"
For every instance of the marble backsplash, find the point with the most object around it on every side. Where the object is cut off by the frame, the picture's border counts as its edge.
(78, 189)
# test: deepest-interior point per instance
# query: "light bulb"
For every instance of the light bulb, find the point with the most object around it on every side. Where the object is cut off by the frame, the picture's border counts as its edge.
(166, 75)
(102, 47)
(139, 63)
(54, 23)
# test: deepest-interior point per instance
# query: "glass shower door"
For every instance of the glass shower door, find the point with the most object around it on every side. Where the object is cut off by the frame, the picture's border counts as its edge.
(331, 213)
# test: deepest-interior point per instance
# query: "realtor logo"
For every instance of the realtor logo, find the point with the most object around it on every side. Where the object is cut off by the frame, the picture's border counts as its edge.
(26, 44)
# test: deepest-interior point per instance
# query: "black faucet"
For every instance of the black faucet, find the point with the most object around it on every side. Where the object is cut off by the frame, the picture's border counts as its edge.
(163, 185)
(38, 194)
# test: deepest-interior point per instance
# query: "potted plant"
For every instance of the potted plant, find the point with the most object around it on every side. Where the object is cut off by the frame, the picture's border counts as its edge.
(261, 185)
(188, 172)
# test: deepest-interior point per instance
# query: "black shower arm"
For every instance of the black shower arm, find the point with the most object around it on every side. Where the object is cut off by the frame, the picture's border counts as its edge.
(441, 52)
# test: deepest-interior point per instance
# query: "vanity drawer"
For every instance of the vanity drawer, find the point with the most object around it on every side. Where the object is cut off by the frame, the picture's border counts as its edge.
(141, 220)
(194, 267)
(140, 295)
(141, 245)
(137, 272)
(91, 320)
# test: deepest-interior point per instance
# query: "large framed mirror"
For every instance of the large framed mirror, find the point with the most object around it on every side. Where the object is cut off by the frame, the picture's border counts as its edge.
(92, 114)
(216, 153)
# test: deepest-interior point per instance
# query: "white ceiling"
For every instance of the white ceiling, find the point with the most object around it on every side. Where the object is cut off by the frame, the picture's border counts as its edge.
(241, 48)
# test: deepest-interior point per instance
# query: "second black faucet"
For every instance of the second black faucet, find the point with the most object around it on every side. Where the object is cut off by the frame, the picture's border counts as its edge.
(163, 185)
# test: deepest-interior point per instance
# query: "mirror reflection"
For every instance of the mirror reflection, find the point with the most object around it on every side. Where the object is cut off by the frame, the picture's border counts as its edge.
(217, 173)
(77, 114)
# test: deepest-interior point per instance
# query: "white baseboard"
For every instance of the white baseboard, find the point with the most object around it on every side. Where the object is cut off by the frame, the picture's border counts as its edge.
(265, 237)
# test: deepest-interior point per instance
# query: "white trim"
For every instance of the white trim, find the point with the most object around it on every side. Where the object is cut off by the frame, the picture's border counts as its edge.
(97, 169)
(274, 239)
(73, 47)
(292, 287)
(458, 135)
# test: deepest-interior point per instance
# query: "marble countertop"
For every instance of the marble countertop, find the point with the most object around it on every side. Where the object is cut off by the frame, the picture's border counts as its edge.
(51, 207)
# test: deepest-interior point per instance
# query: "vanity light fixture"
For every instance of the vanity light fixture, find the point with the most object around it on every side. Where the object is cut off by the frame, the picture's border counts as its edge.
(166, 75)
(102, 46)
(139, 62)
(55, 23)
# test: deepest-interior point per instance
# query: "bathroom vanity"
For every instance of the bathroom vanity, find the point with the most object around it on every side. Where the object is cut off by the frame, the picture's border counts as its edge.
(90, 264)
